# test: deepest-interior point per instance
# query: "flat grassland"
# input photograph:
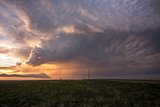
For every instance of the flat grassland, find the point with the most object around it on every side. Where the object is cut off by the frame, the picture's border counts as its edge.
(83, 93)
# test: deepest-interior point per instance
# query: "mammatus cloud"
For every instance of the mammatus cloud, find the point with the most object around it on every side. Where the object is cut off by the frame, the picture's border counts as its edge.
(41, 75)
(108, 35)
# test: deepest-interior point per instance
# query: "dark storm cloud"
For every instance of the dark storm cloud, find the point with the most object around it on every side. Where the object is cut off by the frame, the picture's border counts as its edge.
(110, 48)
(41, 75)
(110, 35)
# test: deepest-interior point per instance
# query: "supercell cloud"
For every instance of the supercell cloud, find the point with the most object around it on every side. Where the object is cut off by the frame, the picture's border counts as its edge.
(113, 37)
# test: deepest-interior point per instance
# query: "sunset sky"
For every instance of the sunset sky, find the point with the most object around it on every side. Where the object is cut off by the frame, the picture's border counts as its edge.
(52, 39)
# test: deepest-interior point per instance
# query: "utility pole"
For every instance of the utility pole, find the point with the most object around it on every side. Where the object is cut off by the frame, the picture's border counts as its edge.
(88, 74)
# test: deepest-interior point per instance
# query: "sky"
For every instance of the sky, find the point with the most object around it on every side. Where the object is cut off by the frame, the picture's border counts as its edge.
(52, 39)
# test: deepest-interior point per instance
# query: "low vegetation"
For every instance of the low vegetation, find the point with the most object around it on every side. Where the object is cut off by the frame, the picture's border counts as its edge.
(83, 93)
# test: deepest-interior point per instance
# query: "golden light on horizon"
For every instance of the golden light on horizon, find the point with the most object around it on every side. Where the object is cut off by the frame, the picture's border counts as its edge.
(53, 70)
(24, 69)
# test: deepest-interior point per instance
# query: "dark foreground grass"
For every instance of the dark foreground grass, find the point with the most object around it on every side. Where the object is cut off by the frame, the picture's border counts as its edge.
(85, 93)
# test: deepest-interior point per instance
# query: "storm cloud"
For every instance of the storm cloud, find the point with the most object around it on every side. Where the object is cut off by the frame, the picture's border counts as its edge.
(106, 35)
(111, 48)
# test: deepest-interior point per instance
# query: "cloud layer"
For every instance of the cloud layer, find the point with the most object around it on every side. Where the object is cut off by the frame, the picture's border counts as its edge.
(41, 75)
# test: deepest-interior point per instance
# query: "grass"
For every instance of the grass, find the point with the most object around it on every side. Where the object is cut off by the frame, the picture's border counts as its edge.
(84, 93)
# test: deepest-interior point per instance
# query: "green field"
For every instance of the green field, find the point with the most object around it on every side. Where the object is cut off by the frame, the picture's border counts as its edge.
(83, 93)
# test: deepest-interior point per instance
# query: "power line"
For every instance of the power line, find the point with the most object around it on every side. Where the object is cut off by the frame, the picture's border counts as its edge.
(89, 74)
